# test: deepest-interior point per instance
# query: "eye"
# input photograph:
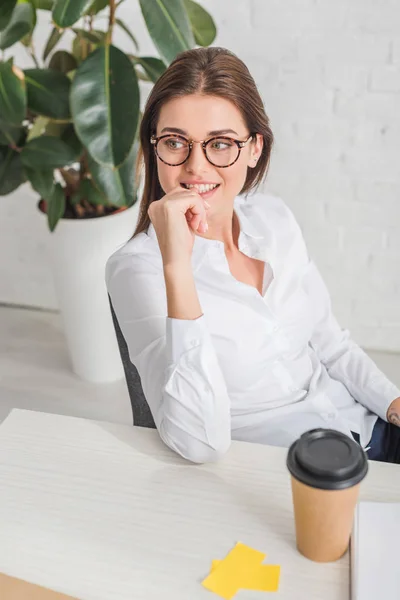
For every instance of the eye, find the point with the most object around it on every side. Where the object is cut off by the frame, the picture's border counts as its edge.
(220, 145)
(174, 143)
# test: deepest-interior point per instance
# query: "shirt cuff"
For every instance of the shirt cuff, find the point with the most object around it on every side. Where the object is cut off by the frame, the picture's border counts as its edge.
(184, 335)
(390, 393)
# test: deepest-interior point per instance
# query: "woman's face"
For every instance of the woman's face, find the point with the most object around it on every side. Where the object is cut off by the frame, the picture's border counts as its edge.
(197, 118)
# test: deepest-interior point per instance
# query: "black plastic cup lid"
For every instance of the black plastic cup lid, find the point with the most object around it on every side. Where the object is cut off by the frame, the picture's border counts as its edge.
(327, 459)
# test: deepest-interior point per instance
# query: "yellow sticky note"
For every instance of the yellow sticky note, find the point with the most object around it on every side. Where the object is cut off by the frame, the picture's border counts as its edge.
(238, 566)
(264, 578)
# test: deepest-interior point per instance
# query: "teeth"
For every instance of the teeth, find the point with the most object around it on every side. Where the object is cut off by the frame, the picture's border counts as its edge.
(201, 187)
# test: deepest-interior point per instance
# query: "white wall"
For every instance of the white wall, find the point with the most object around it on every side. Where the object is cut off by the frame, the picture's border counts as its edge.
(329, 74)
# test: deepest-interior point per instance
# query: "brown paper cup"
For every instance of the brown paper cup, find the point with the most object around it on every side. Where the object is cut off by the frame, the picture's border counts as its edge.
(323, 519)
(326, 469)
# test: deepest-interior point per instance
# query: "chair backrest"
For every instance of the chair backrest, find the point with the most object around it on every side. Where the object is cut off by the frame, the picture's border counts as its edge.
(141, 412)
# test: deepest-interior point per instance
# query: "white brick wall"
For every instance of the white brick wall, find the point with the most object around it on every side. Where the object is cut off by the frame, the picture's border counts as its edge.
(329, 73)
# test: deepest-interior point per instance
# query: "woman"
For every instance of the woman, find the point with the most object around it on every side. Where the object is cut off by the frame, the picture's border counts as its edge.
(225, 316)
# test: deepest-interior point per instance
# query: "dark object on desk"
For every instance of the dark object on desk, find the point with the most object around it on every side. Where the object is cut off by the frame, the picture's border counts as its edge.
(141, 412)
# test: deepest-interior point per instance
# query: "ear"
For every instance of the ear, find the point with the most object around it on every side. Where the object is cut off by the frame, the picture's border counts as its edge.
(256, 146)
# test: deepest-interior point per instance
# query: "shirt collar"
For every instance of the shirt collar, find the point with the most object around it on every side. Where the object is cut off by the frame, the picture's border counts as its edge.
(247, 219)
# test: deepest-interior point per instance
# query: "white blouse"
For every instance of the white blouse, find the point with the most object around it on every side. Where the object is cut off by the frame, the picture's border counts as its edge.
(260, 368)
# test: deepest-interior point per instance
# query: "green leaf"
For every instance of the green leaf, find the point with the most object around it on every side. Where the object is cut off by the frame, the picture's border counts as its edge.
(54, 38)
(56, 128)
(38, 128)
(169, 26)
(55, 206)
(11, 171)
(203, 26)
(70, 138)
(44, 4)
(48, 93)
(27, 39)
(97, 6)
(94, 37)
(105, 105)
(68, 12)
(127, 31)
(10, 134)
(12, 95)
(141, 75)
(6, 10)
(62, 61)
(153, 67)
(42, 181)
(117, 185)
(20, 24)
(32, 3)
(47, 152)
(90, 193)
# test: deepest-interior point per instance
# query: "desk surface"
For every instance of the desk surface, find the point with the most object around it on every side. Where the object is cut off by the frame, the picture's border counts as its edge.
(106, 512)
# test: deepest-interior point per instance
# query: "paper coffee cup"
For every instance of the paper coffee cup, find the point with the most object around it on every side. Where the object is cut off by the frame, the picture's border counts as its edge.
(326, 468)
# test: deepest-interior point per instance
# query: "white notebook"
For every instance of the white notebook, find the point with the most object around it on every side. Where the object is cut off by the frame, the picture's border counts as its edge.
(375, 552)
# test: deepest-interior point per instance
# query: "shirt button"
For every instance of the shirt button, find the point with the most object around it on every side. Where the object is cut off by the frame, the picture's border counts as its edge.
(329, 416)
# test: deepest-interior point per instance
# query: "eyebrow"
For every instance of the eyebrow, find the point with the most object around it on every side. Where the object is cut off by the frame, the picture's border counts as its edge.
(210, 133)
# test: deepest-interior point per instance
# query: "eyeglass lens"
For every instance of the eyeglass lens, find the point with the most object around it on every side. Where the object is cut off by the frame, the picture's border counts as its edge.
(219, 151)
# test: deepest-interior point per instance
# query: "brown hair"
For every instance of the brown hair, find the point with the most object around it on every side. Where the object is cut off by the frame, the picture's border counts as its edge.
(209, 71)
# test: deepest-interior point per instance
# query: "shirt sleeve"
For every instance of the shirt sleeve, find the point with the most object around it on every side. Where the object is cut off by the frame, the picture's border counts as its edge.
(176, 360)
(343, 358)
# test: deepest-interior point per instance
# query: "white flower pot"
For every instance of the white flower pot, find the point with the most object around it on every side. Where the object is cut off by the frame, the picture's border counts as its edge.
(80, 249)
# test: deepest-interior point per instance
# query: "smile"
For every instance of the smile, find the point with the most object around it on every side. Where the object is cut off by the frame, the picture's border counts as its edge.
(201, 187)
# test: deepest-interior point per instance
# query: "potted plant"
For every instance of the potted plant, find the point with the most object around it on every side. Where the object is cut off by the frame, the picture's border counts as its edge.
(68, 126)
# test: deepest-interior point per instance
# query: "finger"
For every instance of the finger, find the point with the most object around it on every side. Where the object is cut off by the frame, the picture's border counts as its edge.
(197, 208)
(203, 227)
(185, 191)
(189, 216)
(195, 222)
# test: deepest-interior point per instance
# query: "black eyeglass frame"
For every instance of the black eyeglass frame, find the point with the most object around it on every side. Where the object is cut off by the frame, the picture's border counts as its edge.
(240, 144)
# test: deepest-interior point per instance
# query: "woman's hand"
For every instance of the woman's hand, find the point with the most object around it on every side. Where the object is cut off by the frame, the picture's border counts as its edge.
(176, 218)
(393, 413)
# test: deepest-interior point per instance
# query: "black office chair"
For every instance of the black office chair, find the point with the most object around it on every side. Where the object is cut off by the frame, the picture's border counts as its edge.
(141, 412)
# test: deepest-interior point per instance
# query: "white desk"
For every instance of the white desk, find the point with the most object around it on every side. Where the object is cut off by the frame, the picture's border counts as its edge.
(106, 512)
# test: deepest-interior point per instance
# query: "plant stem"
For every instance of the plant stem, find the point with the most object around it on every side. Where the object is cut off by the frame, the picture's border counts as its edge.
(83, 170)
(33, 55)
(111, 21)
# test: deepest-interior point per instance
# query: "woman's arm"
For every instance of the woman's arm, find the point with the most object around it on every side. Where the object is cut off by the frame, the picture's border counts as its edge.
(343, 358)
(174, 355)
(182, 299)
(167, 336)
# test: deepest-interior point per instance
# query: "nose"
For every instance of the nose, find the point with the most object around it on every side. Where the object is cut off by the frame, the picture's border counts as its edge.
(197, 162)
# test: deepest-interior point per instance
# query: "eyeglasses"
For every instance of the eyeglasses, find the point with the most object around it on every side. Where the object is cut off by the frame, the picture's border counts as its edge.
(174, 150)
